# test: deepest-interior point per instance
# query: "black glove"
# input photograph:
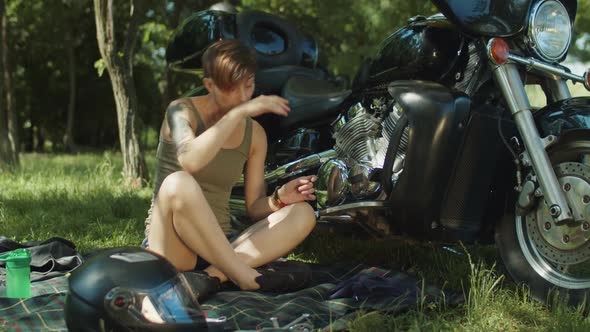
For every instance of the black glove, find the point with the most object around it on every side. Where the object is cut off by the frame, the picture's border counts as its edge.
(202, 284)
(283, 276)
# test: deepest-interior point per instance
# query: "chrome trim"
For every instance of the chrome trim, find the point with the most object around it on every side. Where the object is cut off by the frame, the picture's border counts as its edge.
(337, 124)
(532, 41)
(237, 201)
(237, 206)
(332, 185)
(353, 206)
(295, 167)
(336, 218)
(355, 110)
(558, 89)
(508, 78)
(547, 68)
(365, 187)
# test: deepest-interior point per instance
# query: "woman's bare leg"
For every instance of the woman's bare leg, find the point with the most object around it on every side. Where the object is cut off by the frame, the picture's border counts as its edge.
(272, 237)
(184, 226)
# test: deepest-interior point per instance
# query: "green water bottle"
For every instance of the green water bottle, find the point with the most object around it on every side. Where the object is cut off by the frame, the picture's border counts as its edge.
(18, 273)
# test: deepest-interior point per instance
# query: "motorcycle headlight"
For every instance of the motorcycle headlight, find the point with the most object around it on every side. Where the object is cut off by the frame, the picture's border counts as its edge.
(550, 30)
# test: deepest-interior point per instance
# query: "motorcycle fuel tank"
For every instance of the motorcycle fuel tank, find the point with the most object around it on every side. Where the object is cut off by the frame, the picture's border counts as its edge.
(194, 34)
(426, 50)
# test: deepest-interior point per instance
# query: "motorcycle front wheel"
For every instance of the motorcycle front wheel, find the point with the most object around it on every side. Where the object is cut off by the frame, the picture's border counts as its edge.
(549, 258)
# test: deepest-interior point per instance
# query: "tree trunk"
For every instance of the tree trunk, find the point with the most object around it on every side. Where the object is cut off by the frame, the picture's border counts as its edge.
(6, 154)
(6, 160)
(134, 167)
(8, 120)
(68, 138)
(119, 63)
(39, 140)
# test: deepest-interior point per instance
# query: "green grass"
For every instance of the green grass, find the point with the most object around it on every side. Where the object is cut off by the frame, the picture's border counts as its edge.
(82, 198)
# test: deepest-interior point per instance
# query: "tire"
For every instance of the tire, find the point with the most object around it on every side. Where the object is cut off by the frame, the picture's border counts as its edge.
(519, 253)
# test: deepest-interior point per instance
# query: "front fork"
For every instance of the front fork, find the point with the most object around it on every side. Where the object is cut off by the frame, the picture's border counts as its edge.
(508, 78)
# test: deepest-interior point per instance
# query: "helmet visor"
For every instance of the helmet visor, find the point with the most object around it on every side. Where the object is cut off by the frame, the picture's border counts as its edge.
(172, 302)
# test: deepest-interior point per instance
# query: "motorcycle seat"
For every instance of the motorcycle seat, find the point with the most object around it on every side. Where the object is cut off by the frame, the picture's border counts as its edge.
(271, 81)
(311, 101)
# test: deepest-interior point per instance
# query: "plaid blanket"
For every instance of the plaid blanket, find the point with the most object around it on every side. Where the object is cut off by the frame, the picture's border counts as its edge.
(248, 310)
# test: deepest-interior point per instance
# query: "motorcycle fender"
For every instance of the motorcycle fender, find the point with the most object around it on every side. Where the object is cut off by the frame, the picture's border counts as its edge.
(436, 118)
(563, 116)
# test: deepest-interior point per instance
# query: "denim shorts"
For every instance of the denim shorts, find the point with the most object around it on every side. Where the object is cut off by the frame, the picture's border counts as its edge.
(201, 262)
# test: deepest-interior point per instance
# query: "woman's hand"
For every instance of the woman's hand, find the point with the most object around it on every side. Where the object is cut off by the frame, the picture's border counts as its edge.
(298, 190)
(263, 105)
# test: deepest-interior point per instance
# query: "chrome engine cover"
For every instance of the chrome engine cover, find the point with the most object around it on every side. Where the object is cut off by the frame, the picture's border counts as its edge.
(361, 141)
(355, 139)
(332, 184)
(361, 185)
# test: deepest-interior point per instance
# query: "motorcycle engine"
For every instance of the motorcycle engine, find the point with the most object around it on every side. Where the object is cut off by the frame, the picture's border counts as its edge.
(362, 137)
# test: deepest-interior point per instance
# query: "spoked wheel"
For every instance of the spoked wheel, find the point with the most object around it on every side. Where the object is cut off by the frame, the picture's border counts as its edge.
(548, 256)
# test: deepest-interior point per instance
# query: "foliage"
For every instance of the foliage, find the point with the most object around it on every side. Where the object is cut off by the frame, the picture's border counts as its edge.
(347, 31)
(581, 47)
(39, 29)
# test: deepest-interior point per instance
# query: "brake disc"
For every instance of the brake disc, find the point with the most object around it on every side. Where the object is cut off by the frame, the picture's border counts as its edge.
(566, 243)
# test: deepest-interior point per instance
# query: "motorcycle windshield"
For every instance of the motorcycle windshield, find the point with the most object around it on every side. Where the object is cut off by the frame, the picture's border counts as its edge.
(491, 18)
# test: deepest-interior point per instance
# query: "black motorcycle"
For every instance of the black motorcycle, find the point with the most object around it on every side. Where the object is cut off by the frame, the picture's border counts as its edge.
(435, 139)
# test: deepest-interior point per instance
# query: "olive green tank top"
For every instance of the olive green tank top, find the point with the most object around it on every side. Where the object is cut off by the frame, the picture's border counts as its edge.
(216, 179)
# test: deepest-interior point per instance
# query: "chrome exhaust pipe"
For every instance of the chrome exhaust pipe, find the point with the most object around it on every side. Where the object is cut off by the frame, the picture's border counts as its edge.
(295, 167)
(353, 209)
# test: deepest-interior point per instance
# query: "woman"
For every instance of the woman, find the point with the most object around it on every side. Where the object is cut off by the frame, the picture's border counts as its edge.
(205, 144)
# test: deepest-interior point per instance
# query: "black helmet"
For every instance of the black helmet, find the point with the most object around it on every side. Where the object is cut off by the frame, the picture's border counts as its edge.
(131, 289)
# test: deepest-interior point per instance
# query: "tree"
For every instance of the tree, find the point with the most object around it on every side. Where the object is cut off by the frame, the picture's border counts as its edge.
(68, 139)
(71, 40)
(581, 41)
(8, 128)
(118, 59)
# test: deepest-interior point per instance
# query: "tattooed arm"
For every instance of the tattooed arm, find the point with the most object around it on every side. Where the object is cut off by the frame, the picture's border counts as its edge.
(194, 153)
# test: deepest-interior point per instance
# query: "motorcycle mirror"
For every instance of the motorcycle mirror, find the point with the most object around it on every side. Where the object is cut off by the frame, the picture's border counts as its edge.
(587, 79)
(498, 50)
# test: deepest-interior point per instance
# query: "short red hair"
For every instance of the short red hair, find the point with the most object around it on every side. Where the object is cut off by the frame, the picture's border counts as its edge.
(227, 62)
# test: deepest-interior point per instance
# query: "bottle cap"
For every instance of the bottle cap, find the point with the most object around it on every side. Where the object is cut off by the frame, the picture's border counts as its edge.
(16, 259)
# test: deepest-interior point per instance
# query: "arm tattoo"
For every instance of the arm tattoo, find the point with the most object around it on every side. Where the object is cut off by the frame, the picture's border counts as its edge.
(180, 128)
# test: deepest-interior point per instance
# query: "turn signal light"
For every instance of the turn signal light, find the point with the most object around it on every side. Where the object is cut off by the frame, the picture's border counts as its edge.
(498, 50)
(587, 79)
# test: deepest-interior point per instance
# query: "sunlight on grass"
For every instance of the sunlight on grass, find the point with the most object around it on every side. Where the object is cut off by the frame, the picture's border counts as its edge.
(82, 198)
(493, 301)
(75, 197)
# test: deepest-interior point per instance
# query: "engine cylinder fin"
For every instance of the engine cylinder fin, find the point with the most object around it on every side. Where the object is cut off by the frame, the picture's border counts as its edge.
(352, 139)
(364, 138)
